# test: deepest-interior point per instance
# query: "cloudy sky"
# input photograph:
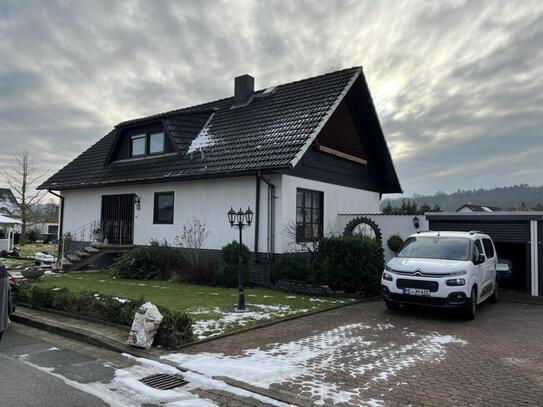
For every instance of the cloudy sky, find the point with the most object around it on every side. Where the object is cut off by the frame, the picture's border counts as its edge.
(458, 84)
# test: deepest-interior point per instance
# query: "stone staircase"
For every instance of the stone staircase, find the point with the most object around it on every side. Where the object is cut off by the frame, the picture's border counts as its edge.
(93, 256)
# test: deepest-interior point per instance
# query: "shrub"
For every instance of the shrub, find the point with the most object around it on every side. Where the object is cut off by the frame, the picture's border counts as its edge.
(227, 276)
(191, 240)
(353, 264)
(32, 236)
(292, 266)
(394, 243)
(33, 273)
(159, 260)
(176, 327)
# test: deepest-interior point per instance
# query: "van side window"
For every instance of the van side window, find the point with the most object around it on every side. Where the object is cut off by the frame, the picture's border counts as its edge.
(477, 249)
(489, 248)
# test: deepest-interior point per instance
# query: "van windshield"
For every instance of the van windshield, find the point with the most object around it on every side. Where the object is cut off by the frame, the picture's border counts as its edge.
(447, 248)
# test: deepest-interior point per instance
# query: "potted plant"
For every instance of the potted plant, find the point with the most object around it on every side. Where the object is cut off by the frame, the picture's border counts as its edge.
(98, 235)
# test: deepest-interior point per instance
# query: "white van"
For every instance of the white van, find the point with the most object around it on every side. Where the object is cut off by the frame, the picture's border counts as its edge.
(442, 269)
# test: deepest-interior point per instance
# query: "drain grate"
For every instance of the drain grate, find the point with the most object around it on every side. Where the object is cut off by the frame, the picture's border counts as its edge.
(164, 381)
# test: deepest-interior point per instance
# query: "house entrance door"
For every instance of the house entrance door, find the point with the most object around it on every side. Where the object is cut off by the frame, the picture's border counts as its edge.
(117, 218)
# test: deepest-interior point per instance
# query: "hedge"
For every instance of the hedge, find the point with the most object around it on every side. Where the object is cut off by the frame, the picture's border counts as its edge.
(176, 327)
(292, 266)
(353, 264)
(227, 275)
(394, 243)
(159, 260)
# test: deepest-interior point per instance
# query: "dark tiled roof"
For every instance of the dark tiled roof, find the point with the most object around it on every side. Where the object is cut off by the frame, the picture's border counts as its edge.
(218, 139)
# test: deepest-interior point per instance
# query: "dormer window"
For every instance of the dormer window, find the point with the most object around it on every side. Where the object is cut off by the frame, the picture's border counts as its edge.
(137, 145)
(146, 144)
(156, 143)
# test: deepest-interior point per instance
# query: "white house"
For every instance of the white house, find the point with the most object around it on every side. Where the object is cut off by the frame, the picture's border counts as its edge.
(297, 154)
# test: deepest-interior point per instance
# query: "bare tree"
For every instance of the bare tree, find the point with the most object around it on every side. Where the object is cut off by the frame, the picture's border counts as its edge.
(310, 246)
(23, 178)
(191, 240)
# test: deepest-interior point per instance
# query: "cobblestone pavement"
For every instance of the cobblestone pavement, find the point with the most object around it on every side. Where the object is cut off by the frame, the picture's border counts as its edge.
(366, 355)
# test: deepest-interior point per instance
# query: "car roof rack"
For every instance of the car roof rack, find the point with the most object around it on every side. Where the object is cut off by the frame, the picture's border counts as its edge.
(473, 232)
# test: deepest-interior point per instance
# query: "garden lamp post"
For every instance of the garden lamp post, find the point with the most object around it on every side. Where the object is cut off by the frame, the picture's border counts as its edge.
(240, 220)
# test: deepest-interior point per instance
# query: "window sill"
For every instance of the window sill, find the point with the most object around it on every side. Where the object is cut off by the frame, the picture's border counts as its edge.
(143, 158)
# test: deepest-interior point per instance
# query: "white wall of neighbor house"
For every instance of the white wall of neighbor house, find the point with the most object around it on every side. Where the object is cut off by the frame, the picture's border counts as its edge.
(389, 225)
(337, 199)
(208, 200)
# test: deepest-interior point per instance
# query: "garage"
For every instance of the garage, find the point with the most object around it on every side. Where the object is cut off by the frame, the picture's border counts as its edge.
(517, 236)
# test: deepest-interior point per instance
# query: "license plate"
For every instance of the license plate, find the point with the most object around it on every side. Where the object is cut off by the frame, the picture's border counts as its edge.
(417, 291)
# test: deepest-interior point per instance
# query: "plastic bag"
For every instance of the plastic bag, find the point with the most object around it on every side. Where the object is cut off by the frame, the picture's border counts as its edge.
(145, 326)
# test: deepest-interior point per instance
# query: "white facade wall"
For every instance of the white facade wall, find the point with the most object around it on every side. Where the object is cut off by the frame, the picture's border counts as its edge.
(389, 225)
(337, 199)
(210, 199)
(4, 244)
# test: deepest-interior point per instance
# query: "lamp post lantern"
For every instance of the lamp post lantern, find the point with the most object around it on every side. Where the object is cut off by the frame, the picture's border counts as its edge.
(240, 220)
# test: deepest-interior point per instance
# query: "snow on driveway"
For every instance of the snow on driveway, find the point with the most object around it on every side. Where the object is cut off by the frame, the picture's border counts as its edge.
(126, 389)
(335, 366)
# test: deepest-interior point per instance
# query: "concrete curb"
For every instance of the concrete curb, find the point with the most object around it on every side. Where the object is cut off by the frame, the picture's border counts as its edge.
(92, 338)
(279, 395)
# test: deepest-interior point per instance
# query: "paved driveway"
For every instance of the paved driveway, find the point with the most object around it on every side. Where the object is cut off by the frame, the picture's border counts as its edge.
(366, 355)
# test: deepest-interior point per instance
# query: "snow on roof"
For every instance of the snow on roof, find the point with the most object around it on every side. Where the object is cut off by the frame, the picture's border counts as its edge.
(4, 220)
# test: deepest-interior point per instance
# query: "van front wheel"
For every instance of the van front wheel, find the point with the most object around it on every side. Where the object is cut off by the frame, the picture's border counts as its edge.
(471, 306)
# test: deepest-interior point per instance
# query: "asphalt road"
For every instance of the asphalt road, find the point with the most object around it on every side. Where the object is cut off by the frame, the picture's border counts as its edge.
(22, 385)
(26, 357)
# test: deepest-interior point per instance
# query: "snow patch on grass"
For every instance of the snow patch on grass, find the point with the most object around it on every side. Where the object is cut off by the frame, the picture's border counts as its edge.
(222, 320)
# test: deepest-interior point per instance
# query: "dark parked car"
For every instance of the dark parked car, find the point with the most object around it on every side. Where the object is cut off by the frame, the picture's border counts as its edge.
(504, 269)
(13, 290)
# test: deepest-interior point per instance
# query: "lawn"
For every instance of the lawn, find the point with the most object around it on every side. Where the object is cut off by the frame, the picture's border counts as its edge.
(29, 250)
(212, 308)
(16, 263)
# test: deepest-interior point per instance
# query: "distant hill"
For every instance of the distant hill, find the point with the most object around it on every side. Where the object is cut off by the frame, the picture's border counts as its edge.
(517, 197)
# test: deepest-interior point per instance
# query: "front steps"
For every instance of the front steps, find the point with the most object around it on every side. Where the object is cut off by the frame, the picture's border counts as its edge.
(93, 256)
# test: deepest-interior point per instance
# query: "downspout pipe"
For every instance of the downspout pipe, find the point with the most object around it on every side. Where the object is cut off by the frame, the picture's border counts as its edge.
(257, 216)
(61, 220)
(271, 213)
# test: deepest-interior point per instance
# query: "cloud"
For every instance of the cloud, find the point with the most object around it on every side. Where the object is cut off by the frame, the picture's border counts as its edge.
(458, 84)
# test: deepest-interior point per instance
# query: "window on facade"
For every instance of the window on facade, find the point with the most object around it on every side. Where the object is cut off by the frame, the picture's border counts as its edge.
(146, 144)
(309, 206)
(156, 143)
(137, 145)
(164, 205)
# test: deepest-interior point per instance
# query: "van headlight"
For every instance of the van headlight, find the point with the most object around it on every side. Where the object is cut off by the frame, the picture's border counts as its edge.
(458, 273)
(387, 277)
(456, 282)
